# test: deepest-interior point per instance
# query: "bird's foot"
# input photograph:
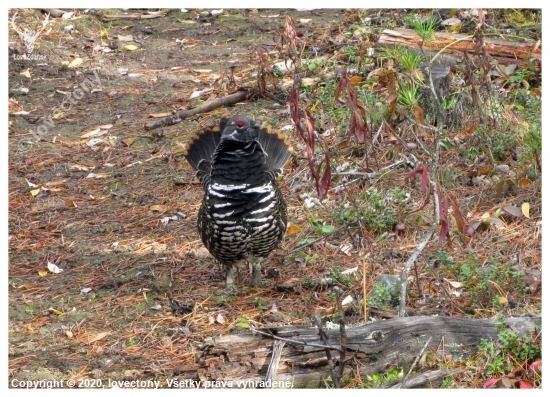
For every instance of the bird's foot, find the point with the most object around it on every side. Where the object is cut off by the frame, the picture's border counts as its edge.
(256, 274)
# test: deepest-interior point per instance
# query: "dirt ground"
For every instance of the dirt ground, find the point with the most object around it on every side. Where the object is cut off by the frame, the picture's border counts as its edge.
(114, 206)
(105, 232)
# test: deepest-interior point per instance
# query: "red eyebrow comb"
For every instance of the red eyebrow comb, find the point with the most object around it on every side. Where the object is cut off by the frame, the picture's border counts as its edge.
(240, 123)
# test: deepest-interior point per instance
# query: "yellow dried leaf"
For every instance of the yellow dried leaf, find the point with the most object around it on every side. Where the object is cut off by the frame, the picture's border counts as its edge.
(455, 28)
(525, 207)
(356, 80)
(503, 300)
(58, 115)
(70, 204)
(130, 47)
(75, 63)
(42, 273)
(26, 73)
(95, 338)
(524, 182)
(35, 191)
(129, 141)
(69, 334)
(484, 170)
(158, 208)
(26, 286)
(56, 312)
(292, 229)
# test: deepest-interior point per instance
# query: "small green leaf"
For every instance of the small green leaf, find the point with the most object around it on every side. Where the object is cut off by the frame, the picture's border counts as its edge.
(327, 229)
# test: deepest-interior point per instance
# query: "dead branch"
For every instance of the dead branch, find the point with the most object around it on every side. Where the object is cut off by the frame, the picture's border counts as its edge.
(454, 45)
(375, 345)
(205, 107)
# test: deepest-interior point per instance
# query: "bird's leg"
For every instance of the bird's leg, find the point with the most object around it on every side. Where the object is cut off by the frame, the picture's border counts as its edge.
(256, 272)
(230, 273)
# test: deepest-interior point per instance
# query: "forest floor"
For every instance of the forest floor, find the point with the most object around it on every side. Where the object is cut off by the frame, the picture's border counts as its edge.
(102, 213)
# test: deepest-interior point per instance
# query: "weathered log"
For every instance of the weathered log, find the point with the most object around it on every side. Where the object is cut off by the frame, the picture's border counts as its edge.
(373, 346)
(205, 107)
(454, 45)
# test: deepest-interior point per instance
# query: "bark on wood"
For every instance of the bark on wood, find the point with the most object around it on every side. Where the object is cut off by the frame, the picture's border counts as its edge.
(205, 107)
(454, 45)
(372, 346)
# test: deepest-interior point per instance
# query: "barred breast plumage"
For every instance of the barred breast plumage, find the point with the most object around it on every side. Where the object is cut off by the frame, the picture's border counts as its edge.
(243, 214)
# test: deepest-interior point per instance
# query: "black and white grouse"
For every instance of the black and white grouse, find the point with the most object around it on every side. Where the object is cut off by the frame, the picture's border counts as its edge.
(243, 215)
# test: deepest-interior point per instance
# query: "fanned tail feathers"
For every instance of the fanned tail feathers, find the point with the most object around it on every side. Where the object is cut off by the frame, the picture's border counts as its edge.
(276, 145)
(202, 146)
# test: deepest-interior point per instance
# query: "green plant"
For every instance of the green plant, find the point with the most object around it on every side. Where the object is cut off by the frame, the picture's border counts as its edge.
(406, 58)
(383, 296)
(370, 210)
(260, 304)
(243, 321)
(448, 383)
(335, 273)
(407, 95)
(377, 380)
(482, 281)
(423, 27)
(442, 258)
(504, 354)
(30, 309)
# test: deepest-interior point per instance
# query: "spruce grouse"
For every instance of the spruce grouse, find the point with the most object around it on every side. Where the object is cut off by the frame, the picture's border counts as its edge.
(243, 215)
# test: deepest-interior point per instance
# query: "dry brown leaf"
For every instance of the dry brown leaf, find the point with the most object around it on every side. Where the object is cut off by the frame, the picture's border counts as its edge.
(95, 338)
(454, 284)
(292, 229)
(55, 183)
(484, 170)
(524, 182)
(356, 80)
(78, 167)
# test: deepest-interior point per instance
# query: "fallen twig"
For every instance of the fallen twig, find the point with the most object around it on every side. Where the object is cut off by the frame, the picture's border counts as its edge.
(205, 107)
(274, 364)
(294, 341)
(414, 363)
(324, 338)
